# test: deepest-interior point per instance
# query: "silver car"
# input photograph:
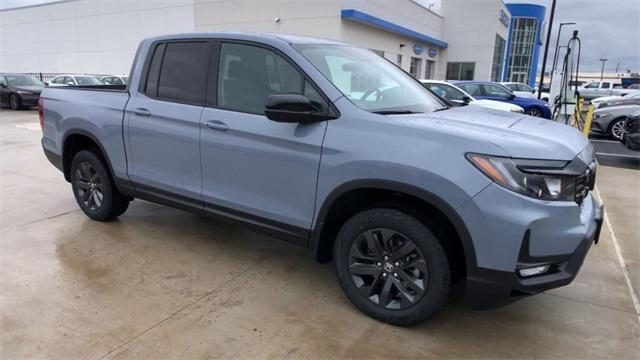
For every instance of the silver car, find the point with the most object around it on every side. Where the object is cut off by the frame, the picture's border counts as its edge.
(611, 120)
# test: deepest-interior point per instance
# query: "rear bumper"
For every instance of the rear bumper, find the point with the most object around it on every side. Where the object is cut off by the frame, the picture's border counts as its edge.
(55, 159)
(487, 288)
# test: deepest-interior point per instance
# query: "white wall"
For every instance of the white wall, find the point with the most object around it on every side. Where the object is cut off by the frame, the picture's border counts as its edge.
(470, 28)
(322, 19)
(86, 36)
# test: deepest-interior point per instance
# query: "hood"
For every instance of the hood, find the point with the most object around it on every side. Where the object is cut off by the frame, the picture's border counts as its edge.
(518, 135)
(36, 89)
(618, 110)
(521, 100)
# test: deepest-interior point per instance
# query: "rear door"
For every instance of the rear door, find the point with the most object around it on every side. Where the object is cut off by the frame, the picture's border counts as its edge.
(163, 120)
(254, 168)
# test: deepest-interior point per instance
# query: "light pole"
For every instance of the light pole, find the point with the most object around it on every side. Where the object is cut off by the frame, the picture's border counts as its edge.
(604, 60)
(546, 47)
(555, 55)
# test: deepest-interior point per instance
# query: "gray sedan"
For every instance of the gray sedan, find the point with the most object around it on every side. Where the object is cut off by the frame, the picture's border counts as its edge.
(611, 120)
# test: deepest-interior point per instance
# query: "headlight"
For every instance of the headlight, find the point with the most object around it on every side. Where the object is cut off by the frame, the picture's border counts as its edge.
(24, 92)
(517, 110)
(528, 177)
(600, 115)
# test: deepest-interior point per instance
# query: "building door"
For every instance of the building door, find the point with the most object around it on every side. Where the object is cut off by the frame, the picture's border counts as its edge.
(431, 65)
(415, 67)
(519, 77)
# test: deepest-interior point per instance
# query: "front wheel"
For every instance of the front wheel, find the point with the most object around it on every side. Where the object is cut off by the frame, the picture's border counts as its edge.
(15, 102)
(94, 189)
(534, 112)
(392, 267)
(616, 129)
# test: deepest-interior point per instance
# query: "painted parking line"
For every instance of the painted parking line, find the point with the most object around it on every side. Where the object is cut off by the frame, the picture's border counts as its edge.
(621, 261)
(618, 155)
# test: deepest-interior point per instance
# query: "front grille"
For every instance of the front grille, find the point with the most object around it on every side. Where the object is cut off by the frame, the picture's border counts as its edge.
(585, 182)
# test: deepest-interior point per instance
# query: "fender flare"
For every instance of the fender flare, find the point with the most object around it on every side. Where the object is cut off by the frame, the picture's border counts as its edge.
(424, 195)
(66, 162)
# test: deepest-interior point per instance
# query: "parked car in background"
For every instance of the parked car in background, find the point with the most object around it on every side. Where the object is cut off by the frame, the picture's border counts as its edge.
(19, 91)
(597, 89)
(525, 90)
(115, 79)
(631, 133)
(74, 80)
(406, 195)
(498, 92)
(611, 120)
(458, 97)
(607, 101)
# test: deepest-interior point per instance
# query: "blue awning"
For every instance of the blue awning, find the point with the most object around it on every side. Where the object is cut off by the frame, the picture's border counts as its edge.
(355, 15)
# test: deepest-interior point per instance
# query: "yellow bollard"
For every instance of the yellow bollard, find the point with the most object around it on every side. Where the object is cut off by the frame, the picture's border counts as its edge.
(587, 121)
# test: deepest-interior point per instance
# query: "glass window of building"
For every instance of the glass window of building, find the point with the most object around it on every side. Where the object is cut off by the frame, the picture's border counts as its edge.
(498, 56)
(521, 51)
(414, 67)
(399, 60)
(428, 74)
(460, 70)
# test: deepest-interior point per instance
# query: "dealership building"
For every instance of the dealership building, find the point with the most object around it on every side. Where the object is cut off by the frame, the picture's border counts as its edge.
(449, 39)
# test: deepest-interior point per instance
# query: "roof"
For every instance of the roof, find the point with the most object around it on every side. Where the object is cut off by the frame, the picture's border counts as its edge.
(251, 36)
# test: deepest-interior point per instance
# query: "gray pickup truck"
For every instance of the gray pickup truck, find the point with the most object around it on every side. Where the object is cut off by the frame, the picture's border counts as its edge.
(332, 147)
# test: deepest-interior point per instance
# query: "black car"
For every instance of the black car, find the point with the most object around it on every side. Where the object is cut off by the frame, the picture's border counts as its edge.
(19, 91)
(631, 134)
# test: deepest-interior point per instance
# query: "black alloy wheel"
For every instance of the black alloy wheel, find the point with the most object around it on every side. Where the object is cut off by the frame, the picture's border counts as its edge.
(14, 102)
(388, 268)
(89, 187)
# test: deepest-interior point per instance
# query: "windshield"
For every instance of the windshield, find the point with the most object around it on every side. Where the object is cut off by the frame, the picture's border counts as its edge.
(22, 80)
(369, 81)
(447, 91)
(88, 80)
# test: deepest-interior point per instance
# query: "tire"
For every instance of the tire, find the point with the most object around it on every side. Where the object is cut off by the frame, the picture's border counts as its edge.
(413, 254)
(534, 112)
(94, 189)
(15, 102)
(615, 129)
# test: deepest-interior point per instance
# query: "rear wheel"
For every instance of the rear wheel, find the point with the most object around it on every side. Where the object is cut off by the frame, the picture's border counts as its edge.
(94, 189)
(15, 102)
(392, 267)
(616, 129)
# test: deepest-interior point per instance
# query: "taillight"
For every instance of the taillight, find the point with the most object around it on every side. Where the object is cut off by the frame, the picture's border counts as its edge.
(41, 112)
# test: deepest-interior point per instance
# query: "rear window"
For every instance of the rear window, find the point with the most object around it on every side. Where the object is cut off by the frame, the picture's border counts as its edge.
(183, 73)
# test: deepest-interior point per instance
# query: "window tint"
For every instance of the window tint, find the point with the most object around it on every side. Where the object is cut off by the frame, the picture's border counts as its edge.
(183, 73)
(460, 70)
(496, 91)
(58, 80)
(593, 85)
(151, 87)
(68, 79)
(605, 85)
(446, 91)
(471, 89)
(314, 96)
(249, 74)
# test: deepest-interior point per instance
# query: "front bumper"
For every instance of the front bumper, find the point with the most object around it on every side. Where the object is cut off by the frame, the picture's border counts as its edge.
(511, 232)
(30, 99)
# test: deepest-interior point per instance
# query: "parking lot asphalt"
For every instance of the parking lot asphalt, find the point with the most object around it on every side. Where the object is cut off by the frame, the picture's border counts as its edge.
(162, 283)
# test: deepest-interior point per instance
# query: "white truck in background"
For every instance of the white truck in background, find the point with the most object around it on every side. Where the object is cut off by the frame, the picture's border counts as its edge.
(597, 89)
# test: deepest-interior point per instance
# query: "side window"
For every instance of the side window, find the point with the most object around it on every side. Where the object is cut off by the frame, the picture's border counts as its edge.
(593, 85)
(471, 89)
(183, 73)
(605, 85)
(496, 91)
(314, 96)
(116, 81)
(58, 80)
(68, 79)
(151, 87)
(248, 74)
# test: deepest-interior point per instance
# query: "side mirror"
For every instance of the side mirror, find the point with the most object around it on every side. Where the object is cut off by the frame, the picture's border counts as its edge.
(293, 108)
(70, 83)
(511, 96)
(466, 99)
(46, 83)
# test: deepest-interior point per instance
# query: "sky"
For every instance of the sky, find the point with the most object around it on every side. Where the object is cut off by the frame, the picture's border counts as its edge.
(607, 28)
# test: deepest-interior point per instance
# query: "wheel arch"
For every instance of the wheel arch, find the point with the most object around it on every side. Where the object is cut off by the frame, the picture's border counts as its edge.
(340, 205)
(613, 121)
(75, 140)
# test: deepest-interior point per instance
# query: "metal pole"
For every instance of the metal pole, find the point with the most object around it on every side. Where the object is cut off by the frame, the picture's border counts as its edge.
(546, 48)
(602, 71)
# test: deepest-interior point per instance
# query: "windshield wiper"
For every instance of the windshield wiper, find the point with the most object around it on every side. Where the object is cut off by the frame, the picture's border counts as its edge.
(396, 112)
(442, 108)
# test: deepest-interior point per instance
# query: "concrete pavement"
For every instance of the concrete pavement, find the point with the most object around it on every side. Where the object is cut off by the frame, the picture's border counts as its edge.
(162, 283)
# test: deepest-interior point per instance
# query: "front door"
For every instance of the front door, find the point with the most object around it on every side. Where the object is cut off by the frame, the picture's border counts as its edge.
(163, 121)
(254, 168)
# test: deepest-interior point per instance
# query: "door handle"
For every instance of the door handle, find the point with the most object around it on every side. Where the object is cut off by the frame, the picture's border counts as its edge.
(142, 112)
(216, 125)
